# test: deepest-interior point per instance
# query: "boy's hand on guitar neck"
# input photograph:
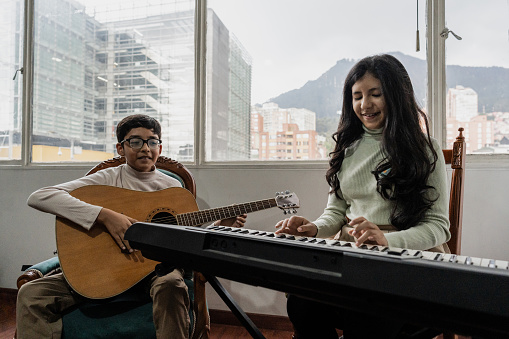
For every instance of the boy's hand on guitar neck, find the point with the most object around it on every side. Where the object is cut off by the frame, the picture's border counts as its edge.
(238, 221)
(116, 224)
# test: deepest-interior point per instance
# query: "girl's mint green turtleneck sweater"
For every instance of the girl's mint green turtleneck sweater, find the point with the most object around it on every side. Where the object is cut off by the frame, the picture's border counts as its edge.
(361, 199)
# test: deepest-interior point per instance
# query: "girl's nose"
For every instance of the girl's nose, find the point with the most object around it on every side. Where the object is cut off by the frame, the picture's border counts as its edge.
(365, 103)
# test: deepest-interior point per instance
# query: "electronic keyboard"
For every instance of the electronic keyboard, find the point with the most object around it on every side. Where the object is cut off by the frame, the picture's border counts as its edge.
(459, 293)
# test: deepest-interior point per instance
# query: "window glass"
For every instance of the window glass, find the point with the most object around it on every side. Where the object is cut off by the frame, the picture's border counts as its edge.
(478, 74)
(275, 70)
(11, 43)
(96, 62)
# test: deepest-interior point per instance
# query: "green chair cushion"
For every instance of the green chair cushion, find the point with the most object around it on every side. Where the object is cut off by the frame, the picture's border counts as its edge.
(46, 266)
(128, 315)
(173, 175)
(116, 319)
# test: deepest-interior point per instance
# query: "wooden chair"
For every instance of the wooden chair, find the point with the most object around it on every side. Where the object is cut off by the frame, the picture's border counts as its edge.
(456, 158)
(201, 315)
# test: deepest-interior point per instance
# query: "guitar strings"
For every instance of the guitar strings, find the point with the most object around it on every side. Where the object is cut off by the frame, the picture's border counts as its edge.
(200, 217)
(221, 214)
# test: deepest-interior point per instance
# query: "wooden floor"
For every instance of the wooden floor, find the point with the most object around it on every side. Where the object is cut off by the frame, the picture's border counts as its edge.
(7, 313)
(221, 327)
(218, 330)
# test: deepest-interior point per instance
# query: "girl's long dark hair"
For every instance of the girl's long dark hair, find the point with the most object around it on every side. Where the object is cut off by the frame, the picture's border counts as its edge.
(404, 144)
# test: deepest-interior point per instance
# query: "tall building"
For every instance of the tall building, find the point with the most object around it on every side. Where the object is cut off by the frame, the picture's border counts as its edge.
(285, 134)
(274, 117)
(93, 69)
(150, 69)
(239, 100)
(462, 103)
(478, 132)
(462, 112)
(229, 68)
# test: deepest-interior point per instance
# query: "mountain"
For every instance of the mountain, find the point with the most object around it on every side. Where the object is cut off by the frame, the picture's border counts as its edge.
(324, 95)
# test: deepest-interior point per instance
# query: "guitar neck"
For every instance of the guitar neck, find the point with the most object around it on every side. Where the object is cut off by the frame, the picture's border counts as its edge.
(213, 214)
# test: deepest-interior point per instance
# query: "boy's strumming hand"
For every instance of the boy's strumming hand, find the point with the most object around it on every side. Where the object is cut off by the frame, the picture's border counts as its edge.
(116, 224)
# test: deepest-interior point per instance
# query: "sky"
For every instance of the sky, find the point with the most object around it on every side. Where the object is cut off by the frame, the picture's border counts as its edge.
(295, 41)
(292, 42)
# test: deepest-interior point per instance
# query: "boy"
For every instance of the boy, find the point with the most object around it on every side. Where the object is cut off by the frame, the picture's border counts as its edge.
(41, 302)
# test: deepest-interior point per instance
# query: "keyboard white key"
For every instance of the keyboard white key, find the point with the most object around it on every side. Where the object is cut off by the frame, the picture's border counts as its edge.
(475, 261)
(461, 259)
(428, 255)
(502, 264)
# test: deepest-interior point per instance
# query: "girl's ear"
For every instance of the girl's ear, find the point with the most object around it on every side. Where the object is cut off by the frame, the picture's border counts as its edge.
(120, 149)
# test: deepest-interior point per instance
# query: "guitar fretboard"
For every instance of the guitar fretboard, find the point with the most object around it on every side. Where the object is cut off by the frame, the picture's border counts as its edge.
(213, 214)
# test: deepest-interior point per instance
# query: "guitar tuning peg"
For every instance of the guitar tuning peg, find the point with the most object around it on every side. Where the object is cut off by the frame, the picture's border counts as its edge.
(278, 193)
(284, 212)
(287, 192)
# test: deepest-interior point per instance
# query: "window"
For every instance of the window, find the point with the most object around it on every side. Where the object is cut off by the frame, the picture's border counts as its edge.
(11, 26)
(273, 65)
(270, 80)
(96, 62)
(478, 74)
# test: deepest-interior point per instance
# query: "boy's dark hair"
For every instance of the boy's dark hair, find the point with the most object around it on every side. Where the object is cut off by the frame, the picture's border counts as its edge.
(135, 121)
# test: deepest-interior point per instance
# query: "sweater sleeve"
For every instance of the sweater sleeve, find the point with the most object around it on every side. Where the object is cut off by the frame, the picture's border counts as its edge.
(57, 200)
(332, 218)
(433, 229)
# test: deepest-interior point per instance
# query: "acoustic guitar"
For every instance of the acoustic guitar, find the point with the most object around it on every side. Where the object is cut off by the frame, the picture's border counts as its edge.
(91, 261)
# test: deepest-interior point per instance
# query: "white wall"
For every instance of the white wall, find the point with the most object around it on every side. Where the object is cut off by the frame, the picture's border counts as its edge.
(27, 236)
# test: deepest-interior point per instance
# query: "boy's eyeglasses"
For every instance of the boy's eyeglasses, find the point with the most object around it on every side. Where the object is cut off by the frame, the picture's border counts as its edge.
(137, 143)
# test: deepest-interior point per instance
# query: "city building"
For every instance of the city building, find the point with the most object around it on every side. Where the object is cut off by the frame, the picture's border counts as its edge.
(462, 111)
(285, 134)
(461, 103)
(93, 69)
(478, 132)
(229, 68)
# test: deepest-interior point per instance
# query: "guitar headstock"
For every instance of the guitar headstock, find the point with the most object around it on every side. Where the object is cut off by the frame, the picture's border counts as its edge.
(287, 201)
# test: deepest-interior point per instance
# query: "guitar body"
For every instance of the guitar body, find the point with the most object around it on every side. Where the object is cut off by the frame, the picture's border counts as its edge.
(91, 261)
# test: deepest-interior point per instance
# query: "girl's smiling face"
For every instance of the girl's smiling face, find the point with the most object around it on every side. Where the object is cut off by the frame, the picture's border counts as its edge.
(368, 101)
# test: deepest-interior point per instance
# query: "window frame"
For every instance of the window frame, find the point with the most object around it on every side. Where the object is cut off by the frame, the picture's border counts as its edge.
(437, 86)
(436, 93)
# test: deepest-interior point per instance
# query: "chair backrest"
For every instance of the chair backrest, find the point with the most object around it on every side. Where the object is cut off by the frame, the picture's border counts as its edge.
(202, 319)
(163, 163)
(456, 158)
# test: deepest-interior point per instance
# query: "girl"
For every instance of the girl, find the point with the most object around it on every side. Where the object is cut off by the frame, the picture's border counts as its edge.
(388, 186)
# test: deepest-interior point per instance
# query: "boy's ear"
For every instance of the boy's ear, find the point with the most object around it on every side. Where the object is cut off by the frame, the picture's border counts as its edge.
(120, 149)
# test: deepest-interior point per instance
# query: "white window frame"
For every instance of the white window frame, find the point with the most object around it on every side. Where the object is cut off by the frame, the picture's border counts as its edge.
(436, 96)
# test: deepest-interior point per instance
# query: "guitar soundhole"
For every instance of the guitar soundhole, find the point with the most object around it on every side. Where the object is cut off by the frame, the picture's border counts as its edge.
(164, 218)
